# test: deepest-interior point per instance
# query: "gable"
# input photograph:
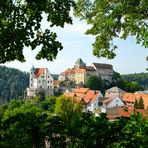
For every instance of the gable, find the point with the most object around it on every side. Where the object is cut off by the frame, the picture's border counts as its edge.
(115, 102)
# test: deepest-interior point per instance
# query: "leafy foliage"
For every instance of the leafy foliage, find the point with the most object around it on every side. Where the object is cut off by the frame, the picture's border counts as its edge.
(28, 124)
(141, 78)
(95, 83)
(21, 25)
(127, 85)
(110, 19)
(13, 83)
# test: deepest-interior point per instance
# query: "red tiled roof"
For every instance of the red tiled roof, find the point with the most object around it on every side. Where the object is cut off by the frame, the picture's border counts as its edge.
(131, 111)
(80, 70)
(81, 90)
(39, 71)
(84, 94)
(120, 112)
(71, 71)
(68, 94)
(89, 95)
(95, 96)
(131, 97)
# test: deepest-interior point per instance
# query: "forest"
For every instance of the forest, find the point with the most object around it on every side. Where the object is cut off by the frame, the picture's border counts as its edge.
(13, 83)
(141, 78)
(59, 122)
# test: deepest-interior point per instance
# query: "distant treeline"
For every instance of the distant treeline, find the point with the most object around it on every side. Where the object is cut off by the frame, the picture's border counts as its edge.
(141, 78)
(13, 83)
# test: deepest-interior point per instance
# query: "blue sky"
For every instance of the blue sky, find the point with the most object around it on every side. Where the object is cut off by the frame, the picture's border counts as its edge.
(130, 56)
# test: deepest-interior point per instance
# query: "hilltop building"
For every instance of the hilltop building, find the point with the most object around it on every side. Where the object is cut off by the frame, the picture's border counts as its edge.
(41, 81)
(80, 72)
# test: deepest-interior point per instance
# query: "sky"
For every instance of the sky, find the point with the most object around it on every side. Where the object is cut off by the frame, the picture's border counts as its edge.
(130, 58)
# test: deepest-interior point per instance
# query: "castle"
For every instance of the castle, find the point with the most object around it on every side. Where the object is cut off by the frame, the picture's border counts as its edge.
(80, 73)
(41, 81)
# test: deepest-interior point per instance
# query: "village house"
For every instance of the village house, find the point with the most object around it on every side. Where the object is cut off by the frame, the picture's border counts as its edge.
(87, 97)
(130, 98)
(111, 101)
(116, 91)
(80, 73)
(41, 81)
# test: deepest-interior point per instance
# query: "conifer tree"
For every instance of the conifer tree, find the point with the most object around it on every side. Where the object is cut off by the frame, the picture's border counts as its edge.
(141, 103)
(136, 104)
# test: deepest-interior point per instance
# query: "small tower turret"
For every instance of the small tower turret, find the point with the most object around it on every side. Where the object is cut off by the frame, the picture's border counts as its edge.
(32, 70)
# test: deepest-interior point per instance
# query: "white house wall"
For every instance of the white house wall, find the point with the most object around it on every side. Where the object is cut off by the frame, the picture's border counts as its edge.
(115, 102)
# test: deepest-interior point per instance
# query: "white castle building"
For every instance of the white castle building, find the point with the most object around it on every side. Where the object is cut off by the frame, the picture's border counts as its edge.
(41, 81)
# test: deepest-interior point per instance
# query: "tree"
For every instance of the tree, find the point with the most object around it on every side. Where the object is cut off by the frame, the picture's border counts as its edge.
(70, 110)
(49, 104)
(136, 104)
(110, 19)
(21, 25)
(141, 103)
(95, 83)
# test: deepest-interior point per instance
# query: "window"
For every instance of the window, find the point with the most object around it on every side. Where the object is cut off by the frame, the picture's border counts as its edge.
(39, 81)
(40, 86)
(50, 81)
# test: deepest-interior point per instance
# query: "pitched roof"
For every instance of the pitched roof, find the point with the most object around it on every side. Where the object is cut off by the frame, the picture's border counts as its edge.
(89, 96)
(115, 89)
(80, 70)
(131, 97)
(81, 90)
(79, 61)
(115, 112)
(102, 66)
(90, 68)
(84, 94)
(69, 94)
(39, 71)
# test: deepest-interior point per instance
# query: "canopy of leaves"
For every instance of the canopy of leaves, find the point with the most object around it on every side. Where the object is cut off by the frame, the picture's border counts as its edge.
(27, 124)
(111, 19)
(95, 83)
(21, 25)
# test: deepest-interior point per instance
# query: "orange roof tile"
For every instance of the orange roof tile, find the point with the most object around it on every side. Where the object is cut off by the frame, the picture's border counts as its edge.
(69, 94)
(89, 95)
(80, 70)
(81, 90)
(95, 96)
(39, 71)
(131, 97)
(84, 94)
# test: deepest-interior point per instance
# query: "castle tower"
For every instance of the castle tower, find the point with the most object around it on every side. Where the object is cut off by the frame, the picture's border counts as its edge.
(79, 64)
(32, 70)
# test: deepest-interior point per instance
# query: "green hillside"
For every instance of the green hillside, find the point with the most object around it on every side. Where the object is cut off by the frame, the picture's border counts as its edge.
(13, 82)
(141, 78)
